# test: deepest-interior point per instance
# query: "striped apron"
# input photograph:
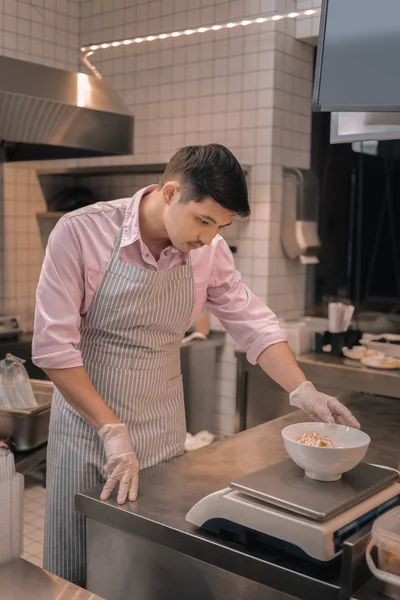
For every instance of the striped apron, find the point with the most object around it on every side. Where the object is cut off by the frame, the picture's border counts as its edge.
(130, 345)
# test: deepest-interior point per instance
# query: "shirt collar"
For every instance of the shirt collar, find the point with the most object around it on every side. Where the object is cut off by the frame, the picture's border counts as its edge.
(130, 227)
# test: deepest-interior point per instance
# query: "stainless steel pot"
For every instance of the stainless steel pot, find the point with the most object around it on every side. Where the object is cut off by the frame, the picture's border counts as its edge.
(29, 428)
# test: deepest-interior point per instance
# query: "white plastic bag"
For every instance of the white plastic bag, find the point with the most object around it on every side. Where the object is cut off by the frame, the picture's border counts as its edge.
(16, 389)
(3, 397)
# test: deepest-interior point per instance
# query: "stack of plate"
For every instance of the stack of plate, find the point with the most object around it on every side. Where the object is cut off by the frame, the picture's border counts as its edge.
(370, 357)
(11, 508)
(388, 343)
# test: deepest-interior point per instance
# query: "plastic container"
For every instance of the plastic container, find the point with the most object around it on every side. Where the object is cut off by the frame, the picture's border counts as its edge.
(386, 538)
(299, 336)
(28, 428)
(315, 324)
(11, 508)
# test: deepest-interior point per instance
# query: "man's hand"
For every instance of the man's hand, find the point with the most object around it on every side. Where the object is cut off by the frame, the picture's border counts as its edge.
(122, 464)
(321, 407)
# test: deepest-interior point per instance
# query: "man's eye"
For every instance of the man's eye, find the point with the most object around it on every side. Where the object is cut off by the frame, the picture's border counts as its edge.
(203, 222)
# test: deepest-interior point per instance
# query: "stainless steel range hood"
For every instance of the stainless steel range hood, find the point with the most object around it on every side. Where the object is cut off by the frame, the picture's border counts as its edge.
(357, 60)
(47, 113)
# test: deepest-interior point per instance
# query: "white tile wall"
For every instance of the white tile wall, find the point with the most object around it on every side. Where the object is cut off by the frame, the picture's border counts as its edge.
(23, 253)
(307, 28)
(306, 4)
(44, 31)
(47, 32)
(248, 88)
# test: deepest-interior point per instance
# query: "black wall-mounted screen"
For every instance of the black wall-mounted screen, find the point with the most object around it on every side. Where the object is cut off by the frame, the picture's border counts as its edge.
(358, 58)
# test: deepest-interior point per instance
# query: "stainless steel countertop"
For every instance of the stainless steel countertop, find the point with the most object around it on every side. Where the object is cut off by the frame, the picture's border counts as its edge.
(351, 374)
(326, 359)
(21, 580)
(325, 369)
(168, 490)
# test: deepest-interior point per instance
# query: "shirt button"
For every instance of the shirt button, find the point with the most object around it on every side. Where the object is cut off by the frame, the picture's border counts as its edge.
(166, 252)
(147, 255)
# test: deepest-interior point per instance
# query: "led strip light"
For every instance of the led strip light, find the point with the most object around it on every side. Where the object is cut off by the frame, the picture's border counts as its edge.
(88, 51)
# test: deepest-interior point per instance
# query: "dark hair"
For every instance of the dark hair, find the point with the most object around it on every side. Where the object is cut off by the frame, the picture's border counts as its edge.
(210, 171)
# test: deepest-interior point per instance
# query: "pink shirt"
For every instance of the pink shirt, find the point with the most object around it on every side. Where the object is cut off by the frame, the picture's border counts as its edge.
(76, 259)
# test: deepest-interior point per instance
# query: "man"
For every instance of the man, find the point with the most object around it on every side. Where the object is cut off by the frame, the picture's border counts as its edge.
(121, 283)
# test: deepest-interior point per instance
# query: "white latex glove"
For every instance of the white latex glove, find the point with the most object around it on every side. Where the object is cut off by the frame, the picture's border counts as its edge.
(122, 464)
(321, 407)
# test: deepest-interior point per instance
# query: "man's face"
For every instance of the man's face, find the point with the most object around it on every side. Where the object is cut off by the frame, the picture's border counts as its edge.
(193, 224)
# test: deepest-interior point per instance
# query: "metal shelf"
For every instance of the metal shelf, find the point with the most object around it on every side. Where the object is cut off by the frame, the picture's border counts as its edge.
(106, 170)
(112, 170)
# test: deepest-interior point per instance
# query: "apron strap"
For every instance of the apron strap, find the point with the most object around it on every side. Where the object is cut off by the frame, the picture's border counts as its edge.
(117, 246)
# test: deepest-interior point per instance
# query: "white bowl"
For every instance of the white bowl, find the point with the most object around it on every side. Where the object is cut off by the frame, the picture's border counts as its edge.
(324, 463)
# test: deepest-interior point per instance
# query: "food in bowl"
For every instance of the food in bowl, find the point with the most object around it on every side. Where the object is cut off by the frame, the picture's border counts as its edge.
(313, 439)
(326, 463)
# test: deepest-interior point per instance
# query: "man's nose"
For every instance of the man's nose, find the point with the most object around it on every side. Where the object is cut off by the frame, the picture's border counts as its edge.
(206, 238)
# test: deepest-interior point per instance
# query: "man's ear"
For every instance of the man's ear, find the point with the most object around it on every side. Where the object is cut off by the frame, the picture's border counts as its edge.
(171, 191)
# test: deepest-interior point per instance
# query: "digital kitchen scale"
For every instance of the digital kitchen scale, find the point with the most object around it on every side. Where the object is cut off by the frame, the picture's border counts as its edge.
(279, 505)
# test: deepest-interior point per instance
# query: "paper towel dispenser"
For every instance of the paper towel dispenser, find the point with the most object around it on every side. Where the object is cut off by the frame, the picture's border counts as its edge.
(299, 226)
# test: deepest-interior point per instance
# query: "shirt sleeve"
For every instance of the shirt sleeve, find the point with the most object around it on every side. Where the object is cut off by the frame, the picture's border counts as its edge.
(58, 301)
(244, 316)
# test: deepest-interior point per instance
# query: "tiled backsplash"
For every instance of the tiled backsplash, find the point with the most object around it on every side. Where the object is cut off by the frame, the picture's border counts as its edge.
(247, 87)
(46, 32)
(41, 31)
(23, 252)
(308, 27)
